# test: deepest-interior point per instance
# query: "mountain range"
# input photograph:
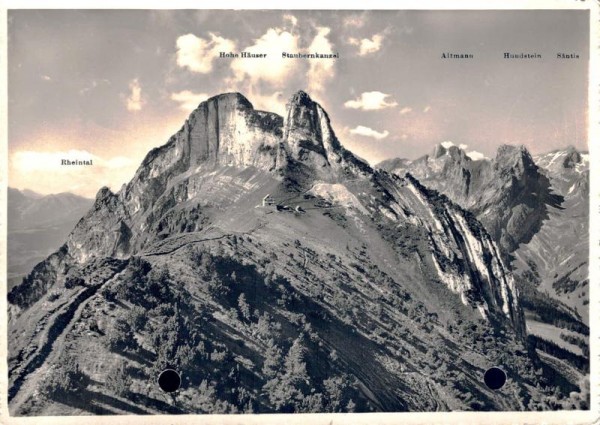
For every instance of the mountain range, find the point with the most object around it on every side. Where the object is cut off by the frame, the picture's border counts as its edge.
(37, 226)
(278, 272)
(537, 209)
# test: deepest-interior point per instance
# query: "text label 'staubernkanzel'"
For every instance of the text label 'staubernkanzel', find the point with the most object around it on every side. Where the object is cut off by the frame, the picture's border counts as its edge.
(284, 55)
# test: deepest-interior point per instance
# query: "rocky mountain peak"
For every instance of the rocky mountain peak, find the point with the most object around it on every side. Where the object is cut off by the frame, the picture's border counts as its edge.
(303, 128)
(103, 193)
(230, 100)
(509, 194)
(226, 130)
(516, 157)
(558, 161)
(223, 131)
(235, 99)
(311, 145)
(449, 149)
(572, 158)
(307, 128)
(438, 151)
(301, 98)
(340, 249)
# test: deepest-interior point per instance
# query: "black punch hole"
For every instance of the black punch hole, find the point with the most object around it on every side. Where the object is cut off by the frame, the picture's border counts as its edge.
(494, 378)
(169, 380)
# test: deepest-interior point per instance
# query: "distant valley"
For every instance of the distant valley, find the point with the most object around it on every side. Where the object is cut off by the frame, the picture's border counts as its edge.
(37, 226)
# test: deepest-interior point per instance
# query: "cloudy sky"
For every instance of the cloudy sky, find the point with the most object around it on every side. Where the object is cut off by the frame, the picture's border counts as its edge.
(111, 85)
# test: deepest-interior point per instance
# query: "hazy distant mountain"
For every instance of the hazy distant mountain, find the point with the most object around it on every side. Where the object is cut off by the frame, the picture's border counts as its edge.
(278, 273)
(37, 226)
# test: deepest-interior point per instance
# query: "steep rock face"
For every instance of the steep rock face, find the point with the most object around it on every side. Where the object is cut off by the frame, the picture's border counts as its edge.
(348, 248)
(562, 269)
(514, 203)
(537, 209)
(458, 238)
(311, 147)
(103, 231)
(508, 194)
(306, 132)
(225, 131)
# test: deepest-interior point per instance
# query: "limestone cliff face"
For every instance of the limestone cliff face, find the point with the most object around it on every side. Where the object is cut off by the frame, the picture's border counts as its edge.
(311, 148)
(513, 204)
(509, 194)
(559, 252)
(224, 131)
(213, 169)
(392, 277)
(307, 132)
(458, 238)
(460, 253)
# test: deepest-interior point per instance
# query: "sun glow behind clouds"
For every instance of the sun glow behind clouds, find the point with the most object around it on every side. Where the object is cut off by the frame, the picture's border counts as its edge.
(272, 69)
(44, 171)
(126, 106)
(37, 165)
(198, 54)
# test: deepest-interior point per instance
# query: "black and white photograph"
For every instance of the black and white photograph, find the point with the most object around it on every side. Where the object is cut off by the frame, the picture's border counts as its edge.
(244, 212)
